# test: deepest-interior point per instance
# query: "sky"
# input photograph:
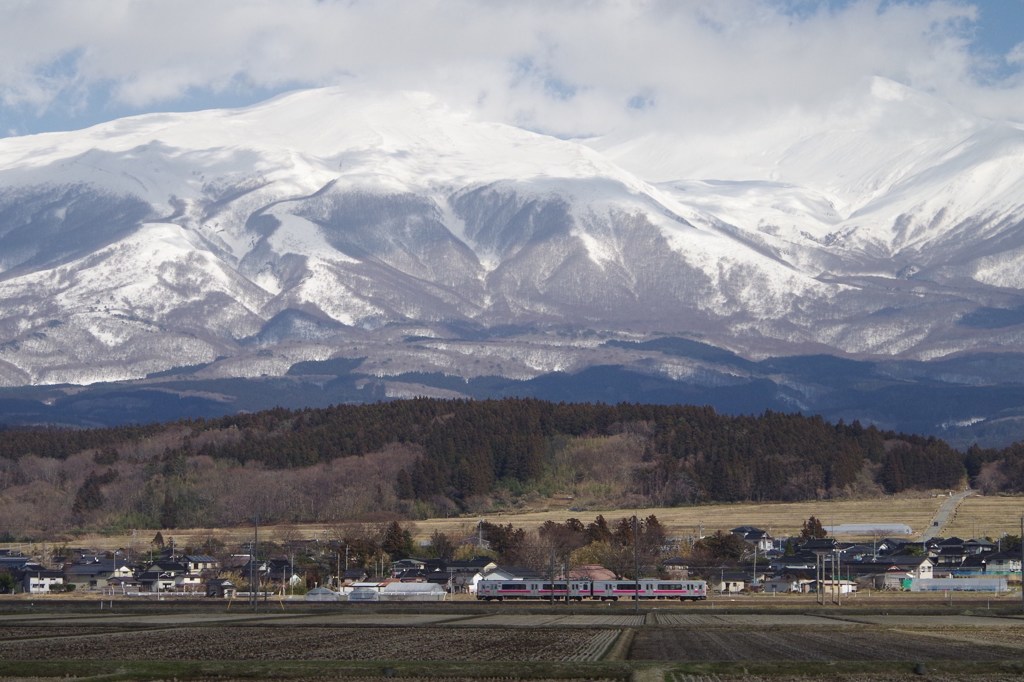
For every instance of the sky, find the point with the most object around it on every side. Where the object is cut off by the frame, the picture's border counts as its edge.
(572, 68)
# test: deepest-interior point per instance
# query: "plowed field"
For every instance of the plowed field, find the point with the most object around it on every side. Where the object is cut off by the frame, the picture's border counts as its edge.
(809, 644)
(661, 644)
(341, 644)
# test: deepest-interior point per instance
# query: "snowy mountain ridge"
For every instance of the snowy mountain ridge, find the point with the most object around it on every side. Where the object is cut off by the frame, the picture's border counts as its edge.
(392, 228)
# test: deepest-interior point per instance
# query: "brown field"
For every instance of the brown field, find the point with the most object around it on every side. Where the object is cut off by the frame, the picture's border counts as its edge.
(667, 643)
(257, 642)
(977, 516)
(981, 515)
(737, 643)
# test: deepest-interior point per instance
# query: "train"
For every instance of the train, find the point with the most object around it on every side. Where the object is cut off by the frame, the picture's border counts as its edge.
(603, 590)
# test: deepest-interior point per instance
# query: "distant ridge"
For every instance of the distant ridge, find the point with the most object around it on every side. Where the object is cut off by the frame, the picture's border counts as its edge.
(863, 266)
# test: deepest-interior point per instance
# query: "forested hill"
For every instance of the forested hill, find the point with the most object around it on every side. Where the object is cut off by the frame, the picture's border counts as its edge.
(427, 456)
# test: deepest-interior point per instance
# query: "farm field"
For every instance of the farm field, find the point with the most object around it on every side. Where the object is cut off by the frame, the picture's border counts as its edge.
(981, 515)
(670, 643)
(976, 516)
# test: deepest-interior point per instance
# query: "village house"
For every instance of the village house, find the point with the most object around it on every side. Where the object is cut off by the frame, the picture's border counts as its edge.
(676, 567)
(200, 563)
(42, 581)
(727, 582)
(282, 572)
(124, 585)
(466, 574)
(156, 581)
(16, 564)
(166, 575)
(354, 575)
(93, 573)
(1003, 563)
(254, 571)
(792, 582)
(403, 565)
(994, 563)
(891, 573)
(759, 539)
(502, 573)
(833, 587)
(948, 554)
(975, 547)
(188, 582)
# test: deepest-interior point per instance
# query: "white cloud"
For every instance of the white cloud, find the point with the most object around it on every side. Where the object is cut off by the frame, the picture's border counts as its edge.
(570, 66)
(1016, 55)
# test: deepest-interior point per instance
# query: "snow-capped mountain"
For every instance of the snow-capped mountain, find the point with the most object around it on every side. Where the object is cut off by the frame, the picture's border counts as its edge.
(392, 228)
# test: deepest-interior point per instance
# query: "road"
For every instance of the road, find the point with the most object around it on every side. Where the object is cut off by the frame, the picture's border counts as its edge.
(942, 517)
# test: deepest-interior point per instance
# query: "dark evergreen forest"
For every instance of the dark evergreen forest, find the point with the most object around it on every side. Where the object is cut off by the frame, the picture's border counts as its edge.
(463, 449)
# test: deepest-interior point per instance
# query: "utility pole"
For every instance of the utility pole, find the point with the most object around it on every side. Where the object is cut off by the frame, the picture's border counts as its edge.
(835, 585)
(551, 574)
(753, 577)
(253, 598)
(636, 567)
(819, 575)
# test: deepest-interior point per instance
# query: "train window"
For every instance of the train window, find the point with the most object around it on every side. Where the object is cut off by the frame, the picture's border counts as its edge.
(513, 586)
(628, 586)
(670, 586)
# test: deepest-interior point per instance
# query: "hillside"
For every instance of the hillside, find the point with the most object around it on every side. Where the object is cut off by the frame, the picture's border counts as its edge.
(423, 458)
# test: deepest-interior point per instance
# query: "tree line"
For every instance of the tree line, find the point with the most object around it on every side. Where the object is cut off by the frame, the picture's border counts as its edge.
(427, 456)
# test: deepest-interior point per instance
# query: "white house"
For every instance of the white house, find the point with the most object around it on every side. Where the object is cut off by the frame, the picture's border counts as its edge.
(494, 572)
(759, 538)
(787, 583)
(832, 587)
(188, 582)
(42, 581)
(1002, 563)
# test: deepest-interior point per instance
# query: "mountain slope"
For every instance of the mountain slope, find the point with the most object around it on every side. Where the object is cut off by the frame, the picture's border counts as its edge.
(391, 228)
(367, 210)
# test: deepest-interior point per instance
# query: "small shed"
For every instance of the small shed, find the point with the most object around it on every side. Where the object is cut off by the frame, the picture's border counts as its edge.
(221, 588)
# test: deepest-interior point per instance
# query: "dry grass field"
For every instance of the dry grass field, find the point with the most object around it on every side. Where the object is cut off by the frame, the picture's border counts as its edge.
(981, 515)
(779, 518)
(977, 516)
